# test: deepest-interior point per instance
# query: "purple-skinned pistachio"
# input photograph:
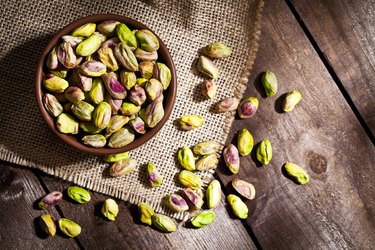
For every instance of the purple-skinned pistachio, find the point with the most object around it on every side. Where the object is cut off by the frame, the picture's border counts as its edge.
(54, 83)
(82, 81)
(72, 40)
(207, 67)
(93, 68)
(154, 179)
(52, 61)
(146, 69)
(154, 89)
(227, 105)
(114, 103)
(108, 58)
(138, 125)
(209, 89)
(50, 200)
(162, 73)
(113, 86)
(111, 43)
(137, 95)
(66, 56)
(108, 28)
(143, 55)
(192, 198)
(176, 203)
(74, 94)
(248, 107)
(126, 57)
(232, 158)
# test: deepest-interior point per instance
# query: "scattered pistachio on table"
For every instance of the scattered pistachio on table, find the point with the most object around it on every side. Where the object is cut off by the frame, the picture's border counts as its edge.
(207, 162)
(232, 158)
(176, 203)
(154, 179)
(52, 105)
(192, 198)
(291, 100)
(50, 200)
(189, 122)
(110, 209)
(269, 82)
(189, 179)
(116, 157)
(245, 142)
(206, 148)
(244, 188)
(69, 227)
(248, 107)
(186, 158)
(122, 167)
(47, 224)
(227, 105)
(213, 194)
(207, 67)
(163, 223)
(297, 173)
(217, 50)
(264, 152)
(239, 208)
(145, 212)
(203, 219)
(209, 89)
(79, 194)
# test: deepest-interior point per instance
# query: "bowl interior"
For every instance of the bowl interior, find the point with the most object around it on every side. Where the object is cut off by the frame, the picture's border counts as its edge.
(169, 94)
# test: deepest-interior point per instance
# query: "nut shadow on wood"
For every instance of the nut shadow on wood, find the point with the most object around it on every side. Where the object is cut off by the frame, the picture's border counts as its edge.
(258, 85)
(279, 104)
(253, 155)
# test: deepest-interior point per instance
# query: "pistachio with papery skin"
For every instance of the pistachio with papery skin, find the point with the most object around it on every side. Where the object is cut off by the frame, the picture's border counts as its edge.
(154, 113)
(207, 67)
(206, 148)
(107, 57)
(51, 104)
(141, 82)
(176, 203)
(50, 200)
(122, 167)
(115, 123)
(192, 198)
(138, 125)
(248, 107)
(154, 179)
(108, 28)
(82, 81)
(97, 91)
(145, 212)
(126, 57)
(113, 86)
(114, 103)
(137, 95)
(128, 79)
(189, 122)
(111, 43)
(74, 94)
(232, 158)
(147, 40)
(207, 162)
(154, 89)
(54, 83)
(66, 56)
(82, 110)
(52, 60)
(59, 72)
(227, 105)
(209, 89)
(72, 40)
(95, 141)
(143, 55)
(146, 69)
(66, 124)
(163, 74)
(291, 100)
(88, 127)
(121, 138)
(244, 188)
(217, 50)
(93, 68)
(213, 194)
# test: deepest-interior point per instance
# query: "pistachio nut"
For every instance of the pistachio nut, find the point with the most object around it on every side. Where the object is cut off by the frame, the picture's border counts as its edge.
(154, 113)
(101, 115)
(107, 57)
(189, 179)
(126, 36)
(137, 95)
(122, 167)
(116, 157)
(192, 198)
(217, 50)
(232, 158)
(115, 123)
(244, 188)
(213, 194)
(111, 43)
(82, 81)
(126, 57)
(238, 206)
(248, 107)
(52, 60)
(69, 227)
(114, 103)
(269, 83)
(203, 219)
(297, 173)
(206, 148)
(50, 200)
(110, 209)
(51, 104)
(146, 69)
(89, 45)
(113, 86)
(227, 105)
(74, 94)
(66, 124)
(207, 67)
(47, 224)
(264, 152)
(93, 68)
(154, 179)
(128, 79)
(154, 89)
(176, 203)
(147, 40)
(84, 30)
(66, 56)
(97, 91)
(129, 109)
(59, 72)
(108, 28)
(162, 73)
(245, 142)
(79, 194)
(189, 122)
(121, 138)
(145, 212)
(141, 82)
(207, 162)
(95, 141)
(186, 158)
(88, 127)
(291, 100)
(163, 223)
(138, 125)
(54, 83)
(73, 40)
(209, 89)
(143, 55)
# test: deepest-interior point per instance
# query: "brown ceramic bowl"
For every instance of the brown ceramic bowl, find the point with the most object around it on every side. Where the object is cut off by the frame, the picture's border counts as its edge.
(73, 140)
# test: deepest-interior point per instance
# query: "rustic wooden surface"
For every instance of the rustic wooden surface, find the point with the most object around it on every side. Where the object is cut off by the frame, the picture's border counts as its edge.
(325, 50)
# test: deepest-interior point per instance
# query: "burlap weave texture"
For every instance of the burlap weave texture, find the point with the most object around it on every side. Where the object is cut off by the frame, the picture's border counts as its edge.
(184, 26)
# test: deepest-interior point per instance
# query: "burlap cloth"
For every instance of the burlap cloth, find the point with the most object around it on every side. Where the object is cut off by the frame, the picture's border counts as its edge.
(184, 26)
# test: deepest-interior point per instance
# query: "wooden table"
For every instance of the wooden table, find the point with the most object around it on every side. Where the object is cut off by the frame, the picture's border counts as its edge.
(326, 50)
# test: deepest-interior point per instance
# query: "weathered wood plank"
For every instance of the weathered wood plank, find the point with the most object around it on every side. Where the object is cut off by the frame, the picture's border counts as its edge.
(127, 232)
(336, 209)
(19, 190)
(345, 31)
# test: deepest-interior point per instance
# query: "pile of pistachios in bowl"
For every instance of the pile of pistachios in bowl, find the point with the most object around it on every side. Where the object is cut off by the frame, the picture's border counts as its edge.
(104, 82)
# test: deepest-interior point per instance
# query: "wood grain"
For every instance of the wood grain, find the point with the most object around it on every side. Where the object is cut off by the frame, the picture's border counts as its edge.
(126, 232)
(345, 33)
(336, 209)
(19, 190)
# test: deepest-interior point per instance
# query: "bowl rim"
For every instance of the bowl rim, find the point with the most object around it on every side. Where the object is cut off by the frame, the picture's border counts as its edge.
(73, 140)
